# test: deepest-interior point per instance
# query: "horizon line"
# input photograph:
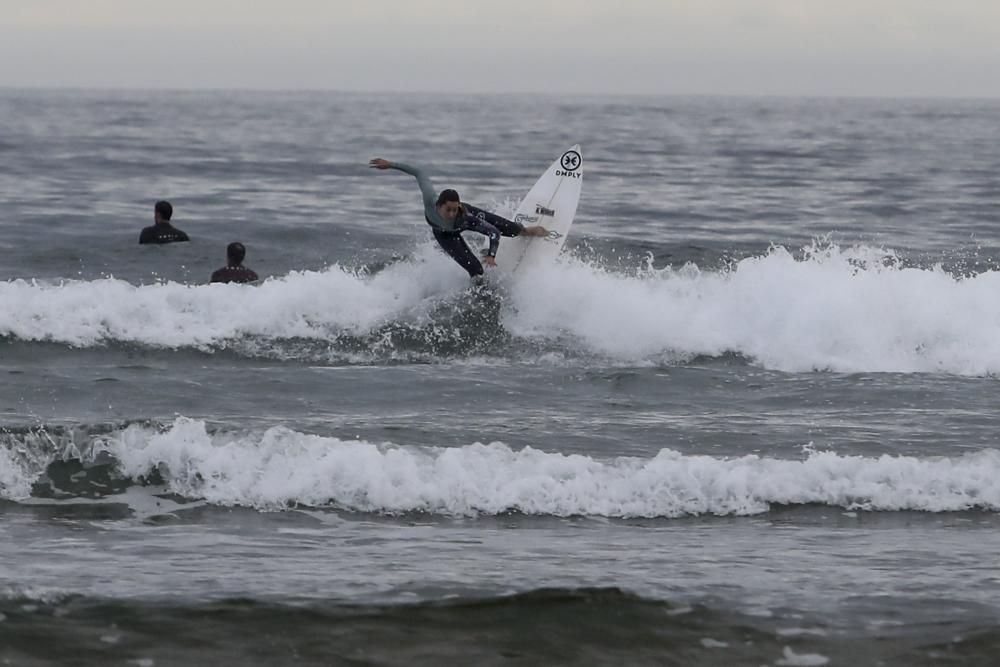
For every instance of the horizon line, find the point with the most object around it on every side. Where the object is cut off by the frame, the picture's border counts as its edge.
(493, 93)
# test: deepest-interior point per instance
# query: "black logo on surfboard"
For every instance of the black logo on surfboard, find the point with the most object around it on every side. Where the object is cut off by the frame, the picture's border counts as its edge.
(571, 161)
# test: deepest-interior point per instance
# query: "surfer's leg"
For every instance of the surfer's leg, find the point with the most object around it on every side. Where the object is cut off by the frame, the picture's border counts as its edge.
(458, 250)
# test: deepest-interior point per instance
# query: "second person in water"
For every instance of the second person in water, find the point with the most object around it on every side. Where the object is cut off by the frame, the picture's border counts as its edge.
(449, 217)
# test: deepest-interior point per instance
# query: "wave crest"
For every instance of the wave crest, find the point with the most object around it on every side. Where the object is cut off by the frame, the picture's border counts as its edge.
(825, 308)
(279, 468)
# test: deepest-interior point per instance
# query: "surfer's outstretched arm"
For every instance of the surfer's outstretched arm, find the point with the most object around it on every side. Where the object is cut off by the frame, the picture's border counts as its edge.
(426, 187)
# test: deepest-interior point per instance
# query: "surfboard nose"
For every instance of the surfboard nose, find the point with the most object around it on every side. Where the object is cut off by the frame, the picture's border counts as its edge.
(571, 162)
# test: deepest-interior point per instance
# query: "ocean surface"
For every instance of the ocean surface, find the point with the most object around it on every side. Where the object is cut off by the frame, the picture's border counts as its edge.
(749, 418)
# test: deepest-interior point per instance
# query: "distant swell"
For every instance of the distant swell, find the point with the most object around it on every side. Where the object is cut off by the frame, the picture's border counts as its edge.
(280, 468)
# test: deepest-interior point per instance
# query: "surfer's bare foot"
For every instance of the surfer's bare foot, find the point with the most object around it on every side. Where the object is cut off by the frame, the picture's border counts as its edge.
(536, 230)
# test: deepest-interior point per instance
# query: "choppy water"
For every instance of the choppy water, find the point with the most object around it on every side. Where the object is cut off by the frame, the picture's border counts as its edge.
(749, 418)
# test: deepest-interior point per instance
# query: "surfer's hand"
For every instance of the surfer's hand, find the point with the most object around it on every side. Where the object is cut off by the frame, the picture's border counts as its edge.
(379, 163)
(536, 230)
(489, 261)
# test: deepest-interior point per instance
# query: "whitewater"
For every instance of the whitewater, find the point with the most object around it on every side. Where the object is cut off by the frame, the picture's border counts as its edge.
(822, 308)
(280, 468)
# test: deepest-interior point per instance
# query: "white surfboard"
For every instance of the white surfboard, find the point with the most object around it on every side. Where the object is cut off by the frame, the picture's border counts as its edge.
(552, 204)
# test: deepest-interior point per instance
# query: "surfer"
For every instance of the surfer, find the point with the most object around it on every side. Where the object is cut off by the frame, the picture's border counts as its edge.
(161, 231)
(234, 271)
(449, 217)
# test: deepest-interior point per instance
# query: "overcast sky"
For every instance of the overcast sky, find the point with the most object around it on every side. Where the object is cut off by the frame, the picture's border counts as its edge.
(756, 47)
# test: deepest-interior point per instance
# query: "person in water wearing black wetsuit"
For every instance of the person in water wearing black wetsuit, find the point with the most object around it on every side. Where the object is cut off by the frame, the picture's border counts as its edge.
(448, 217)
(234, 271)
(161, 231)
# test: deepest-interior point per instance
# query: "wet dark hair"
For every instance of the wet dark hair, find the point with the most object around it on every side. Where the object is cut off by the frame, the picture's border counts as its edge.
(235, 252)
(447, 195)
(164, 209)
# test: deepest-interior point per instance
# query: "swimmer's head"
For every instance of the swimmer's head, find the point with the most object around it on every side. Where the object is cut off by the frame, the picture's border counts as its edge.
(162, 210)
(235, 252)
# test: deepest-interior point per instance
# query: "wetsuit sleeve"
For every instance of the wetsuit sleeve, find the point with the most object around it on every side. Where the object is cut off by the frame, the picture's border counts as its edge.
(475, 224)
(426, 187)
(148, 235)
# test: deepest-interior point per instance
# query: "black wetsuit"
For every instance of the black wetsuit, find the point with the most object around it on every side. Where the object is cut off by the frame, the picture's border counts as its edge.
(449, 233)
(234, 274)
(162, 232)
(475, 220)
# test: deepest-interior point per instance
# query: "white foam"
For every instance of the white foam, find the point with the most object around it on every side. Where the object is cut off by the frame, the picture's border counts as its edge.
(845, 310)
(708, 642)
(306, 304)
(21, 465)
(850, 310)
(14, 483)
(279, 467)
(800, 632)
(38, 594)
(792, 659)
(144, 502)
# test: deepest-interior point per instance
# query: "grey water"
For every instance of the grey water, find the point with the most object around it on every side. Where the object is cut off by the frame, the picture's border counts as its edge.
(748, 418)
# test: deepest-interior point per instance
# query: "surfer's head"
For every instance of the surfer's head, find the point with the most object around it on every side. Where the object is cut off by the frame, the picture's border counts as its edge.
(235, 252)
(448, 204)
(162, 211)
